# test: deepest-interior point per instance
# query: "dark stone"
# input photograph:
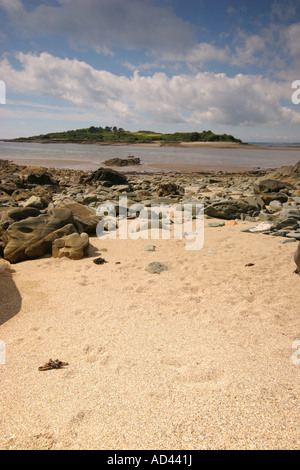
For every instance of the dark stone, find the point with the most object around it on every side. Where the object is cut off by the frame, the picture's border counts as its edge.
(170, 189)
(106, 176)
(37, 176)
(269, 197)
(130, 161)
(230, 209)
(270, 186)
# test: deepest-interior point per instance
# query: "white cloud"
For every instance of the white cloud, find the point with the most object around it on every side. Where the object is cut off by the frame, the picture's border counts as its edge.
(103, 24)
(242, 100)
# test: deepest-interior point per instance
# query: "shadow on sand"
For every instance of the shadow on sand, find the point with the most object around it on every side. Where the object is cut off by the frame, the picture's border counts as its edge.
(10, 298)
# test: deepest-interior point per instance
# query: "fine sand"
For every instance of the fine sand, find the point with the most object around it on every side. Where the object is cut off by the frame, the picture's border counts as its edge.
(198, 357)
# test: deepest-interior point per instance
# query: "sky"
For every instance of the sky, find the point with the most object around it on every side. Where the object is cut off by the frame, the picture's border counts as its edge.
(165, 66)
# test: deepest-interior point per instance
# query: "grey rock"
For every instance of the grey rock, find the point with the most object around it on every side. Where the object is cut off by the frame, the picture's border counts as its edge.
(270, 186)
(150, 248)
(295, 235)
(156, 267)
(231, 209)
(216, 224)
(288, 240)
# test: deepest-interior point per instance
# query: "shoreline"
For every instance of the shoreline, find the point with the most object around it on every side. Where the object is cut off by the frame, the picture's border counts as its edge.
(231, 145)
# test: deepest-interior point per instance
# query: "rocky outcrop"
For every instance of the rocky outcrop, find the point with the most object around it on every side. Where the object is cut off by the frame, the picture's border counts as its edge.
(10, 216)
(85, 216)
(230, 209)
(288, 174)
(130, 161)
(73, 246)
(33, 237)
(270, 186)
(105, 176)
(37, 175)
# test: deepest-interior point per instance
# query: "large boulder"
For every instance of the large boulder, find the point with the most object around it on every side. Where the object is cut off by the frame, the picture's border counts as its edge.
(287, 174)
(10, 216)
(37, 175)
(287, 219)
(32, 237)
(269, 197)
(73, 246)
(106, 176)
(86, 217)
(9, 187)
(231, 209)
(270, 186)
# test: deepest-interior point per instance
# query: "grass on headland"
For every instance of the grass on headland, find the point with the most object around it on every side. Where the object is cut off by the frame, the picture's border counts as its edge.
(118, 135)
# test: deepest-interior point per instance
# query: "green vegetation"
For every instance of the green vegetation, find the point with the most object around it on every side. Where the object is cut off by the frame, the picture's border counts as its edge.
(118, 135)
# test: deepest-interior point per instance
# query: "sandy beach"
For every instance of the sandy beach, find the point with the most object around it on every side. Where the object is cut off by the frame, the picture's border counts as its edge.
(198, 357)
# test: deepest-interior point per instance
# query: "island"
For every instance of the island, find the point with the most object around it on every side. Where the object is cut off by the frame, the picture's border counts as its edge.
(117, 136)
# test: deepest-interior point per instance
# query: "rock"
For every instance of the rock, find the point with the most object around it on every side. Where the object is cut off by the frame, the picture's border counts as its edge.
(150, 248)
(262, 227)
(288, 240)
(130, 161)
(9, 187)
(255, 201)
(216, 224)
(295, 235)
(3, 241)
(170, 189)
(269, 197)
(16, 214)
(143, 194)
(297, 258)
(21, 194)
(287, 174)
(270, 186)
(107, 176)
(33, 237)
(37, 175)
(230, 209)
(72, 246)
(276, 204)
(150, 224)
(85, 216)
(287, 219)
(156, 267)
(35, 202)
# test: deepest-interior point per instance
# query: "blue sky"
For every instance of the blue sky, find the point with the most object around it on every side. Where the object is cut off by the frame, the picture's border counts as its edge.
(168, 65)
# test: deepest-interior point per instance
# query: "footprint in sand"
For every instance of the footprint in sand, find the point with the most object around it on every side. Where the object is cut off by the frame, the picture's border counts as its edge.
(96, 354)
(195, 374)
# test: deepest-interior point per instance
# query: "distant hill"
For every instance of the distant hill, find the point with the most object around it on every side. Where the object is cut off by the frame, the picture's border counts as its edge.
(111, 135)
